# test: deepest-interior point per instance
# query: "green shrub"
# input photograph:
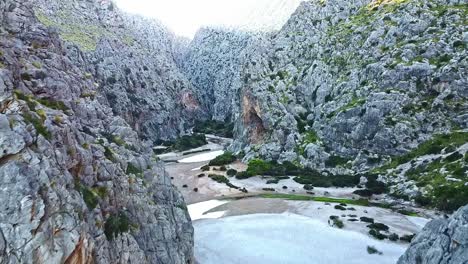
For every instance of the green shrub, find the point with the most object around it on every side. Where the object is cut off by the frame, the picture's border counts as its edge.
(340, 207)
(90, 198)
(109, 154)
(453, 157)
(38, 125)
(223, 159)
(364, 192)
(218, 178)
(242, 175)
(378, 226)
(338, 223)
(366, 219)
(115, 225)
(274, 181)
(259, 167)
(372, 250)
(377, 234)
(205, 168)
(231, 172)
(318, 180)
(449, 197)
(308, 187)
(393, 237)
(131, 169)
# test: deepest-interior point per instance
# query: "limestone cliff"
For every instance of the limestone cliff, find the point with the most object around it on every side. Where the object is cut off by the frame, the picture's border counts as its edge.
(77, 183)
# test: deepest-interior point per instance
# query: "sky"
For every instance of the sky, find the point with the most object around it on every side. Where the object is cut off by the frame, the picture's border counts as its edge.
(185, 17)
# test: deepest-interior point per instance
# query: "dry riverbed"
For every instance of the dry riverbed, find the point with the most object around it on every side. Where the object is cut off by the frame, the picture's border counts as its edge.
(213, 204)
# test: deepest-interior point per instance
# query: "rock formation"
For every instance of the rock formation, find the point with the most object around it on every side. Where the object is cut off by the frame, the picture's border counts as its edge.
(77, 183)
(442, 241)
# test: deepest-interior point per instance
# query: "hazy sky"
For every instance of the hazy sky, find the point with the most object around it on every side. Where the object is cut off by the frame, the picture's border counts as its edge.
(185, 17)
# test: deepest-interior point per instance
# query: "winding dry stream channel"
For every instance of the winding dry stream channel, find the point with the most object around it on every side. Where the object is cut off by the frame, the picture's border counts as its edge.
(234, 227)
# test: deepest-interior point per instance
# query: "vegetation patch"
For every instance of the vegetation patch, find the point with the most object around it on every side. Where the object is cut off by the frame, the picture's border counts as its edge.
(132, 169)
(115, 225)
(218, 178)
(189, 142)
(90, 198)
(337, 223)
(218, 128)
(372, 250)
(223, 159)
(319, 180)
(38, 124)
(309, 137)
(298, 197)
(377, 234)
(432, 146)
(231, 172)
(378, 226)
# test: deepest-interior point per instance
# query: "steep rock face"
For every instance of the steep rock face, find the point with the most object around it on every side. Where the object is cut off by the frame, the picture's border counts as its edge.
(78, 186)
(213, 63)
(442, 241)
(346, 85)
(350, 86)
(133, 60)
(350, 76)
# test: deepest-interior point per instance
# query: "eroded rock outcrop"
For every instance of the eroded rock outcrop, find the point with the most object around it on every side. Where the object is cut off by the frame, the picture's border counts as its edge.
(442, 241)
(77, 183)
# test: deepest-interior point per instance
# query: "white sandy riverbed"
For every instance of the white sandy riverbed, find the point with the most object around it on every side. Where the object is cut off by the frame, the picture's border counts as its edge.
(284, 238)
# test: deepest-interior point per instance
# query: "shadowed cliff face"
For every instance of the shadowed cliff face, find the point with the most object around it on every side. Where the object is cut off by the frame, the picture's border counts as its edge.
(251, 120)
(77, 184)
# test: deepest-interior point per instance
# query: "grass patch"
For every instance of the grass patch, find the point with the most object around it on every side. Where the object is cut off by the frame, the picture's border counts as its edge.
(298, 197)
